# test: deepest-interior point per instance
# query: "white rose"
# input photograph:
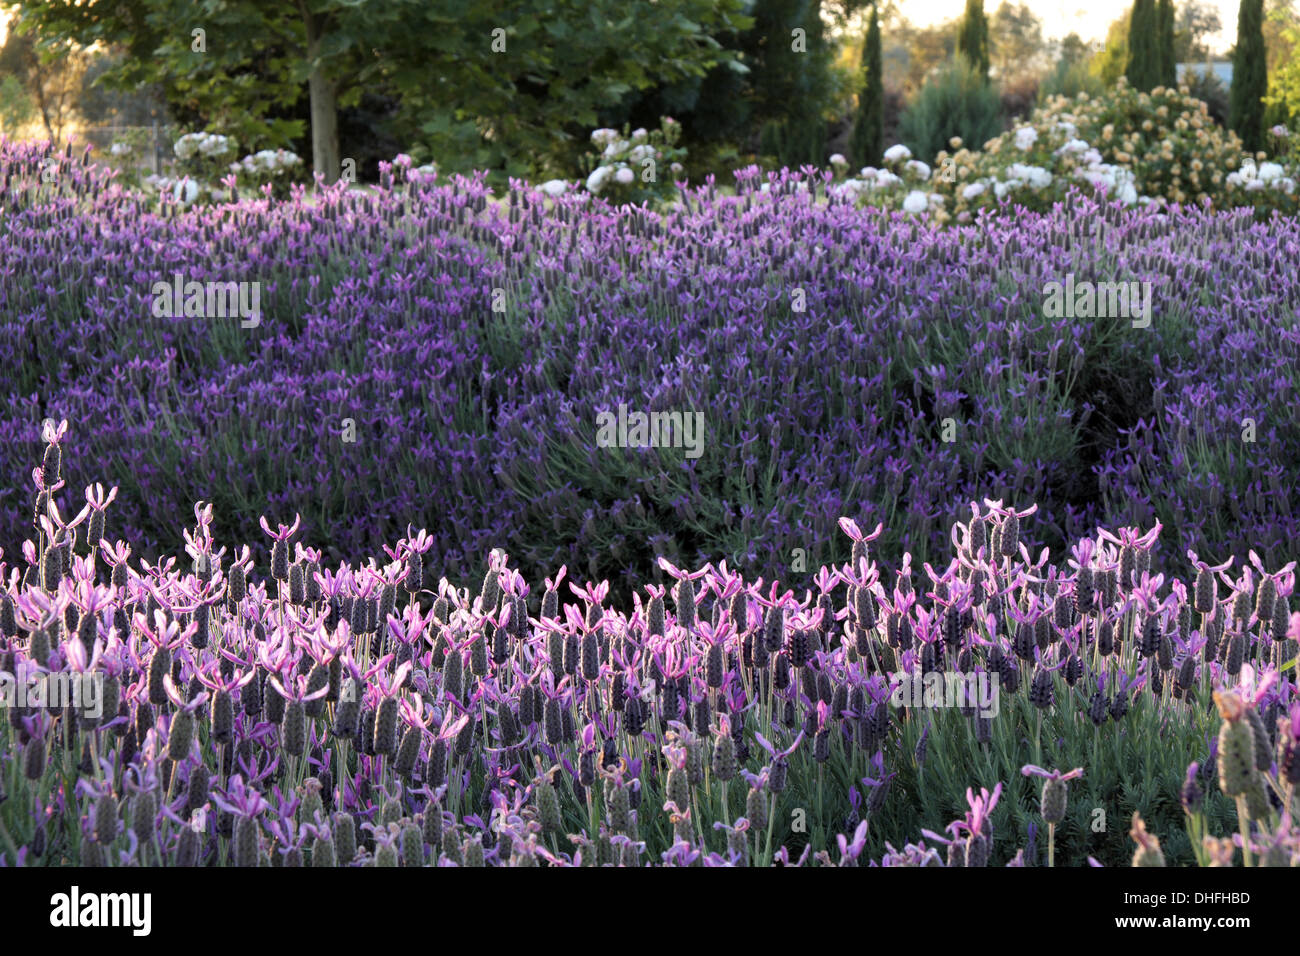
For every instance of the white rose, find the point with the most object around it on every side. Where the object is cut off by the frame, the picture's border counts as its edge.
(1270, 171)
(850, 189)
(897, 153)
(625, 176)
(916, 201)
(596, 181)
(1026, 136)
(187, 190)
(554, 187)
(921, 169)
(838, 160)
(973, 190)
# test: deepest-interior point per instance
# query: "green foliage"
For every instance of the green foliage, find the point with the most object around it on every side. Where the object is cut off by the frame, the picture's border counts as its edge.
(867, 141)
(793, 81)
(1018, 46)
(16, 106)
(521, 108)
(1206, 86)
(1283, 99)
(973, 37)
(1069, 78)
(1249, 76)
(650, 162)
(1136, 764)
(956, 102)
(1144, 65)
(1110, 64)
(1168, 74)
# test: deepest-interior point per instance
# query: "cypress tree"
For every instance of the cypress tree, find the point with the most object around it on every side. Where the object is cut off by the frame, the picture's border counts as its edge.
(1143, 70)
(1168, 63)
(1249, 76)
(793, 80)
(973, 37)
(867, 142)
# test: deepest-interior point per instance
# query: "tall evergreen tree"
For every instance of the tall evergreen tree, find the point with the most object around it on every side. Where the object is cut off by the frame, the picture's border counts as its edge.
(1143, 69)
(1168, 62)
(868, 139)
(1249, 76)
(792, 77)
(973, 37)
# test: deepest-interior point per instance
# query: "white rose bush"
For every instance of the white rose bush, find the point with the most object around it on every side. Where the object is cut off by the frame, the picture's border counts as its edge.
(633, 166)
(1137, 148)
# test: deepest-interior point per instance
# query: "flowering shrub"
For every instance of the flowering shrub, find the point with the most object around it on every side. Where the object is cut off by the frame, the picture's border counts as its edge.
(374, 714)
(636, 166)
(274, 167)
(201, 160)
(204, 170)
(126, 155)
(903, 183)
(1140, 148)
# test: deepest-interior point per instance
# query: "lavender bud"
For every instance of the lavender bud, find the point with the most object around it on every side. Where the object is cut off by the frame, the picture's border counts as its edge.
(774, 629)
(1053, 802)
(106, 819)
(686, 603)
(1206, 592)
(144, 813)
(280, 560)
(236, 583)
(159, 665)
(407, 753)
(180, 735)
(755, 808)
(293, 729)
(386, 727)
(197, 788)
(345, 838)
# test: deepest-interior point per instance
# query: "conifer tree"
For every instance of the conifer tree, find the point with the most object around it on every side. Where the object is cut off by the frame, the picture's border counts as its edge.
(1249, 76)
(973, 38)
(867, 142)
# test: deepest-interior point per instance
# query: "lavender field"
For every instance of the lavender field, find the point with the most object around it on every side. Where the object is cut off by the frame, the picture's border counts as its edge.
(938, 515)
(265, 702)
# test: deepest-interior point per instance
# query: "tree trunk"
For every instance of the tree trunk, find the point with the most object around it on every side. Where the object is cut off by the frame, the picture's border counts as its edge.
(324, 103)
(38, 83)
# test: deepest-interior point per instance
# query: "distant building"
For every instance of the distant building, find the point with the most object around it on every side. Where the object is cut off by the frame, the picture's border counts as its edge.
(1222, 70)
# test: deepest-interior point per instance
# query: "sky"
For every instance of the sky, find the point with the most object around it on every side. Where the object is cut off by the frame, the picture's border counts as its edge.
(1088, 18)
